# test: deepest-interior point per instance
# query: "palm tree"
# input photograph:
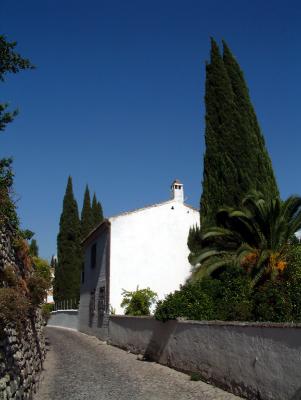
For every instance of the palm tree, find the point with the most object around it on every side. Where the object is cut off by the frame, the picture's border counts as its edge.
(255, 238)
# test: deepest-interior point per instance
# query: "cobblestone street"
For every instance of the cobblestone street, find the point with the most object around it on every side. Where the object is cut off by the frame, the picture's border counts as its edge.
(82, 367)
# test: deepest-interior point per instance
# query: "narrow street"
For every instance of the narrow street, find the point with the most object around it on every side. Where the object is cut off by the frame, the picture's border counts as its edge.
(82, 367)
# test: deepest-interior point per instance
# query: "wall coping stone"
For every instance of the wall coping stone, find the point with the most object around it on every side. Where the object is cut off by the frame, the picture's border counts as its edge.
(246, 324)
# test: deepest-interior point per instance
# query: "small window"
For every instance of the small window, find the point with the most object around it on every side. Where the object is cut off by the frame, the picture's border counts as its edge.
(93, 256)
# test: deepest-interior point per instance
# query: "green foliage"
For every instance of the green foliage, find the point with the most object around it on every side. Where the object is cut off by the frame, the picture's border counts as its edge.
(67, 272)
(236, 160)
(33, 248)
(194, 241)
(255, 237)
(228, 295)
(10, 62)
(292, 275)
(97, 212)
(280, 300)
(138, 302)
(8, 277)
(86, 215)
(26, 234)
(42, 269)
(46, 310)
(189, 302)
(263, 179)
(232, 295)
(272, 302)
(225, 298)
(37, 287)
(7, 206)
(14, 307)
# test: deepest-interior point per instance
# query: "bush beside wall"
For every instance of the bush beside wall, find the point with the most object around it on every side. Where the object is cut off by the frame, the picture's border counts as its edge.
(231, 297)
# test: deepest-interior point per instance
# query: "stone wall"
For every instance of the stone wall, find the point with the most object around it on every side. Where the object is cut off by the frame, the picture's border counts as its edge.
(253, 360)
(21, 359)
(22, 350)
(7, 254)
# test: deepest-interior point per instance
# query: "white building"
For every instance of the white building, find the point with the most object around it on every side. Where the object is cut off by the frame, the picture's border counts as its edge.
(145, 247)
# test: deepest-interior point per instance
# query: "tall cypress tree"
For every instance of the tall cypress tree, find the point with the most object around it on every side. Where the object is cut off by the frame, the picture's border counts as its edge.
(235, 153)
(220, 170)
(96, 211)
(34, 248)
(67, 272)
(86, 215)
(263, 179)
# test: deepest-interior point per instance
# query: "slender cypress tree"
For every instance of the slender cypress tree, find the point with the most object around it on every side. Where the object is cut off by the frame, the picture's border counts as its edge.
(86, 215)
(220, 170)
(67, 271)
(263, 179)
(96, 211)
(100, 211)
(34, 248)
(235, 151)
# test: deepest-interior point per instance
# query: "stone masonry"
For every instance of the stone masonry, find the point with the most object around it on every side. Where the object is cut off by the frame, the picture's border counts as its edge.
(22, 351)
(21, 359)
(7, 253)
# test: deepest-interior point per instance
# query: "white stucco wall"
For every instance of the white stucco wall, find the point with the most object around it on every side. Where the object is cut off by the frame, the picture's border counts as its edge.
(252, 360)
(149, 249)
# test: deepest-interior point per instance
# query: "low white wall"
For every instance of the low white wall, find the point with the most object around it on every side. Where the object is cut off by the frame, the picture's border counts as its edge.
(254, 360)
(64, 319)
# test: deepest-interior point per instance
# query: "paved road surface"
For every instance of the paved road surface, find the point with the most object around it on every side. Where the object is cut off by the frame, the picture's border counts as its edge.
(80, 367)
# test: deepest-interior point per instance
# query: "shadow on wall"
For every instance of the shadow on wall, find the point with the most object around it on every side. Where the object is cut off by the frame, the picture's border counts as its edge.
(159, 340)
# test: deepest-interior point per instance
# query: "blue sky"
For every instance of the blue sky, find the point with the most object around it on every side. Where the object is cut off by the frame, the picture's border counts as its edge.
(117, 97)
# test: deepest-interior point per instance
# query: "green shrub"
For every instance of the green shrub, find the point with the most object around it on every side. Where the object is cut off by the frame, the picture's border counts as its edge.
(190, 302)
(9, 277)
(227, 297)
(46, 309)
(280, 300)
(233, 296)
(292, 277)
(272, 302)
(38, 287)
(138, 302)
(14, 307)
(42, 268)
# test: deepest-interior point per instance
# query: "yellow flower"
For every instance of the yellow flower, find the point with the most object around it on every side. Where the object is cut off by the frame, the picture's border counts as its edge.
(281, 265)
(276, 263)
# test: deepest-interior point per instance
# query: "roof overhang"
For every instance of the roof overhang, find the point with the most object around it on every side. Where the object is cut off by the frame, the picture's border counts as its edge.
(105, 224)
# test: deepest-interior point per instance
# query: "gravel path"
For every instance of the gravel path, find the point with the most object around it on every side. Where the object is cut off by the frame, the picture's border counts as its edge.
(81, 367)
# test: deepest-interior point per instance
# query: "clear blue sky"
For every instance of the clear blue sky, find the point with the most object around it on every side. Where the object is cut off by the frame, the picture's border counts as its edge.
(117, 97)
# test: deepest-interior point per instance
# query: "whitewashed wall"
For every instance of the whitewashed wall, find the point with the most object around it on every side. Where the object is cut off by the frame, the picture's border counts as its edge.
(149, 249)
(252, 360)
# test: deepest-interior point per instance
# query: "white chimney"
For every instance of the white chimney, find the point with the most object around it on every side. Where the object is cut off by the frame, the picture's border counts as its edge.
(177, 191)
